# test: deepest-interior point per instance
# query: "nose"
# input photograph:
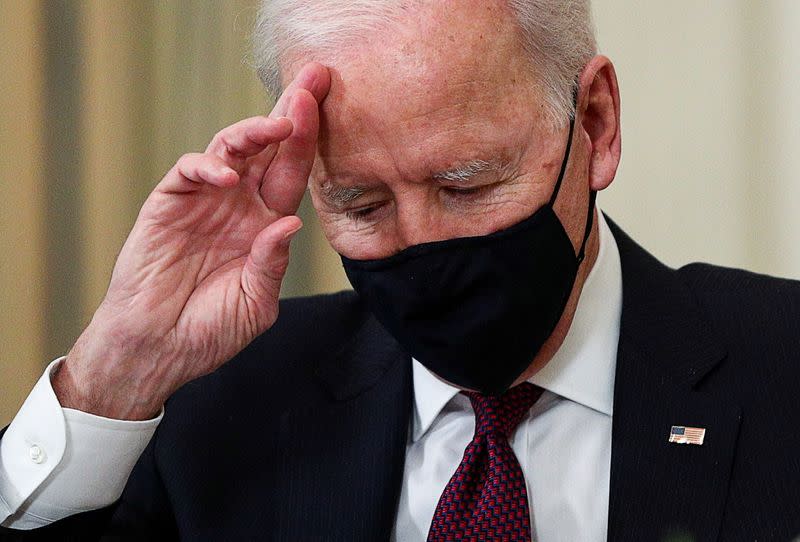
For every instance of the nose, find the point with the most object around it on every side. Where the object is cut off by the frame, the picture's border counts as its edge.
(418, 222)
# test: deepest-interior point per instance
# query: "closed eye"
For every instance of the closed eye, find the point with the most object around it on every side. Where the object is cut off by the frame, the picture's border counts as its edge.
(362, 213)
(471, 192)
(464, 191)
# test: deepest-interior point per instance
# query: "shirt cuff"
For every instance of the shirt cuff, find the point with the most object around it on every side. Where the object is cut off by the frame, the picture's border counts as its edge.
(56, 462)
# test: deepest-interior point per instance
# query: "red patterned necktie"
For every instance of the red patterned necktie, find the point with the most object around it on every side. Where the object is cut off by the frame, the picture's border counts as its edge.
(486, 499)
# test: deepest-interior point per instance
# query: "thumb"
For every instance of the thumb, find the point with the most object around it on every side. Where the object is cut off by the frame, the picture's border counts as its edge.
(266, 265)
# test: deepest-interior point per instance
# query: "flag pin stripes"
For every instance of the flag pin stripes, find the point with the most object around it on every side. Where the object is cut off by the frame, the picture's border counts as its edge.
(687, 435)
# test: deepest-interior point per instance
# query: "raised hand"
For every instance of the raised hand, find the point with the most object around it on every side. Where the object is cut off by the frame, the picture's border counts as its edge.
(199, 275)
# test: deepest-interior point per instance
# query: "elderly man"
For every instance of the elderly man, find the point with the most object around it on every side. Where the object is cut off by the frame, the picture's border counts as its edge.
(466, 390)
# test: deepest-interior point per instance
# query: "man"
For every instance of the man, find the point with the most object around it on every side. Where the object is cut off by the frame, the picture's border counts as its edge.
(453, 151)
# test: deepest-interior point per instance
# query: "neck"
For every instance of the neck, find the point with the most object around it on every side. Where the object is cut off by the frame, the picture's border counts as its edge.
(556, 339)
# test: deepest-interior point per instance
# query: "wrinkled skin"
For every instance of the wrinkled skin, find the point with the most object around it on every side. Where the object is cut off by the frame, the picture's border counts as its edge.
(199, 276)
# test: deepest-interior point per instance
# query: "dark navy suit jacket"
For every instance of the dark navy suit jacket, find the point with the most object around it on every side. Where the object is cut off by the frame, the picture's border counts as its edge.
(301, 437)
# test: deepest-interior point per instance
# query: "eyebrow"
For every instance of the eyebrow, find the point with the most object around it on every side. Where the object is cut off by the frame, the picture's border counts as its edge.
(341, 195)
(466, 171)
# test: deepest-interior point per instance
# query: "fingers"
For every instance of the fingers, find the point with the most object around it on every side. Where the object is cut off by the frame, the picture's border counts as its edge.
(247, 138)
(286, 179)
(207, 168)
(195, 169)
(250, 137)
(313, 77)
(255, 137)
(265, 267)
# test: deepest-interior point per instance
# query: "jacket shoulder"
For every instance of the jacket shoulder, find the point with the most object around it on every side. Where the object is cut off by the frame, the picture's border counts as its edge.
(754, 291)
(753, 312)
(318, 314)
(308, 326)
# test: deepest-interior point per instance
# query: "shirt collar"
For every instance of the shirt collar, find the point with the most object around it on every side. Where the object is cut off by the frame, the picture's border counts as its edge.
(583, 369)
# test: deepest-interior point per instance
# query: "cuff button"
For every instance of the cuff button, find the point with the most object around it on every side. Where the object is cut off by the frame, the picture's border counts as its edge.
(37, 454)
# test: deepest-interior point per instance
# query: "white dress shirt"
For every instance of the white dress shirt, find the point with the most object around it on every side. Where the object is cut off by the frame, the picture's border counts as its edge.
(55, 462)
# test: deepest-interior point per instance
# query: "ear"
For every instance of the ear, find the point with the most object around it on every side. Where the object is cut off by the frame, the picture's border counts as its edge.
(598, 118)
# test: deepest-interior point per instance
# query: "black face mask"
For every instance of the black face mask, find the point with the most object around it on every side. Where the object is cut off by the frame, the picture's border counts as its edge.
(476, 310)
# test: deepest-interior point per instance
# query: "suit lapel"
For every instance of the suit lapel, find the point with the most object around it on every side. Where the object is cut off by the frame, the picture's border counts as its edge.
(344, 452)
(661, 490)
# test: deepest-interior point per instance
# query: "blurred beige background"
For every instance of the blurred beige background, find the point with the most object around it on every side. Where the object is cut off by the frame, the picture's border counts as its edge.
(100, 97)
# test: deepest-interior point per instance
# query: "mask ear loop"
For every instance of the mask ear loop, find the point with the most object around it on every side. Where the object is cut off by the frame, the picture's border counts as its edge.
(564, 162)
(592, 193)
(589, 223)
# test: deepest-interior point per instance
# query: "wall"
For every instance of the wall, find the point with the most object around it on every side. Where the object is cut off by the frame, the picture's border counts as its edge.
(711, 129)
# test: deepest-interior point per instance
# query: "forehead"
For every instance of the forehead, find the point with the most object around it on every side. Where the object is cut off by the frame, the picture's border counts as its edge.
(445, 79)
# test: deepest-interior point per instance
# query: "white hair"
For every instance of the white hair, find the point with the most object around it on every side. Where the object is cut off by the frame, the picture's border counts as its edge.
(558, 37)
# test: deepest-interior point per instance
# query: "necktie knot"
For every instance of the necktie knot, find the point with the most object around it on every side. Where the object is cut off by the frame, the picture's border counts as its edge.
(501, 414)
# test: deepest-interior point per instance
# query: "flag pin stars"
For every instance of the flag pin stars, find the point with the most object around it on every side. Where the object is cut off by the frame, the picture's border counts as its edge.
(687, 435)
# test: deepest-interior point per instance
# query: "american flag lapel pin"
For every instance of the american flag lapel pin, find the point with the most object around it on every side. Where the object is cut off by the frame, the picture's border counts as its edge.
(680, 434)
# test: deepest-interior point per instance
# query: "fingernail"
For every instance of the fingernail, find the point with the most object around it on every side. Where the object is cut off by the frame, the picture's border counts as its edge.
(287, 237)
